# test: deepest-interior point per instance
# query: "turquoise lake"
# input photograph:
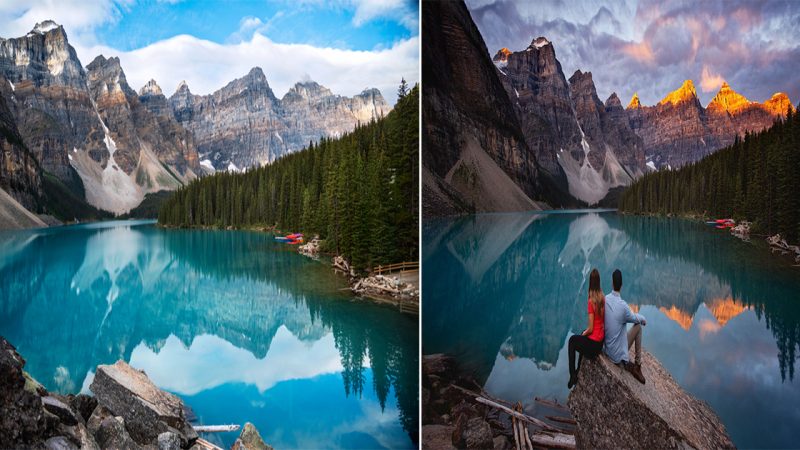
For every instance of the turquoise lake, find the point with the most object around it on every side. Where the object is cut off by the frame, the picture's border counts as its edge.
(503, 293)
(240, 327)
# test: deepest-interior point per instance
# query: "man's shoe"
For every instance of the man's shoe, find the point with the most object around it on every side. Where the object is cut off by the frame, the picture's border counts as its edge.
(636, 371)
(573, 380)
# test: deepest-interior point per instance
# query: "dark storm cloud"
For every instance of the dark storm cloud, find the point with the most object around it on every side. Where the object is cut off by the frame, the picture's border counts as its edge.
(652, 46)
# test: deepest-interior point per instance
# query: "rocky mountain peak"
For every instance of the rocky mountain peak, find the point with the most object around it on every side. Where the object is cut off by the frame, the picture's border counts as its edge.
(634, 103)
(151, 88)
(256, 76)
(183, 88)
(729, 100)
(47, 26)
(539, 42)
(683, 94)
(613, 102)
(371, 92)
(582, 83)
(501, 55)
(309, 90)
(107, 71)
(778, 104)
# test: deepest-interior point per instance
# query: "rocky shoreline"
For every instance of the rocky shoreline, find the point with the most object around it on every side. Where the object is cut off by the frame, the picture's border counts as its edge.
(127, 411)
(458, 413)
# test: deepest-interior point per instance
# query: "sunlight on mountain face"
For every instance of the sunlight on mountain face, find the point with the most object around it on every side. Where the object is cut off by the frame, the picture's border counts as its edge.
(685, 93)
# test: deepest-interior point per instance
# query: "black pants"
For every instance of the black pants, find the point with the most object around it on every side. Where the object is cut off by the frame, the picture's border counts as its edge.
(585, 347)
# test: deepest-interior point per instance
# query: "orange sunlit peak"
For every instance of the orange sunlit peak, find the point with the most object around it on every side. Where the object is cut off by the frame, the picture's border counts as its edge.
(729, 100)
(681, 318)
(682, 94)
(778, 104)
(635, 101)
(725, 309)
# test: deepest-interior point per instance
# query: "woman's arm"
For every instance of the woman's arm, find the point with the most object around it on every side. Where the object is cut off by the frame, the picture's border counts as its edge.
(589, 328)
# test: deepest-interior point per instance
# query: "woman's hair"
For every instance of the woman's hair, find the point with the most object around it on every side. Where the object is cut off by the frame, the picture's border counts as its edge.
(596, 295)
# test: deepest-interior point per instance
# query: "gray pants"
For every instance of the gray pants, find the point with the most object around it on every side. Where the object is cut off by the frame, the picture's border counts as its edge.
(635, 337)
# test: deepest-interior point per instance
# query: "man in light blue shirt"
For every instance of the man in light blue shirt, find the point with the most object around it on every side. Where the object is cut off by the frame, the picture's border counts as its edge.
(617, 341)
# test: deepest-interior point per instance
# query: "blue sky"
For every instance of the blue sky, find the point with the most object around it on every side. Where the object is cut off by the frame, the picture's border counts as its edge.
(345, 45)
(325, 25)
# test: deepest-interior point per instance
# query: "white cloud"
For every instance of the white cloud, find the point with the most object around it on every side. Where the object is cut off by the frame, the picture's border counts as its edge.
(79, 17)
(709, 81)
(207, 66)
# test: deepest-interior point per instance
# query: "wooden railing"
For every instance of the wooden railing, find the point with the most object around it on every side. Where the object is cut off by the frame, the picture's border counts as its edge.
(402, 267)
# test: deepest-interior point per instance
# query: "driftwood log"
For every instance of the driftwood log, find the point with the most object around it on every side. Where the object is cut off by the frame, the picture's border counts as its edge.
(215, 428)
(518, 415)
(553, 440)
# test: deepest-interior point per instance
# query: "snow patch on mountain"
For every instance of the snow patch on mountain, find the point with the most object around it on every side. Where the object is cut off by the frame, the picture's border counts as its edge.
(107, 188)
(584, 182)
(44, 27)
(540, 42)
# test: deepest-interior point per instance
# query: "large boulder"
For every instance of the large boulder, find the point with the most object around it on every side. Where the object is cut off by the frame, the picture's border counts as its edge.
(23, 421)
(613, 410)
(437, 437)
(112, 435)
(148, 411)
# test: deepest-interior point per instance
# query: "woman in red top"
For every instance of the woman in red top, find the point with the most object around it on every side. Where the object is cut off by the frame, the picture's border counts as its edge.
(590, 342)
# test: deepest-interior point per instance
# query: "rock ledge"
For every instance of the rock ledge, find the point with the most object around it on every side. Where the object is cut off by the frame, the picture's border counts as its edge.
(613, 410)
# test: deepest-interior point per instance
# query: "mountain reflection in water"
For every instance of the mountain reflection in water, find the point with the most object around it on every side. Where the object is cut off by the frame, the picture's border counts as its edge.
(503, 293)
(229, 320)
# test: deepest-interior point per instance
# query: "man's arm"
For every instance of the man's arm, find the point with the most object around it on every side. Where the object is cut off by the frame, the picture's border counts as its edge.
(632, 317)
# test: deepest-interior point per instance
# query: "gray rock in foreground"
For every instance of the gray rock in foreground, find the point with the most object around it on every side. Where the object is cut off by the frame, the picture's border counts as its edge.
(147, 410)
(613, 410)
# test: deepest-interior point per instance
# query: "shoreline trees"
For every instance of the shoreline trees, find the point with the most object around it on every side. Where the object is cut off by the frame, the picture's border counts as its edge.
(358, 191)
(756, 179)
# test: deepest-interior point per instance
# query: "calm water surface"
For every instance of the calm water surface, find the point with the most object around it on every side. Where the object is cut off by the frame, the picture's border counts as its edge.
(240, 327)
(503, 293)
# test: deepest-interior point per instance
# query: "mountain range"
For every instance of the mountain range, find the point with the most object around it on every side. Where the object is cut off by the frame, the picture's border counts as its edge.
(85, 132)
(551, 136)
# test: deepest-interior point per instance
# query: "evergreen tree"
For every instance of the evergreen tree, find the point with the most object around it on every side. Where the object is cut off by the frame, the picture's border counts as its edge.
(358, 192)
(402, 91)
(757, 178)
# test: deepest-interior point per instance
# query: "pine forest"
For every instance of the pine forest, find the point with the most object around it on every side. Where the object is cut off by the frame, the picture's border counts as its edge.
(755, 179)
(358, 191)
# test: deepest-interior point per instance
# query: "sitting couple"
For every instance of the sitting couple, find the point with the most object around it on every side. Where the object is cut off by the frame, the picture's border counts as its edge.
(608, 316)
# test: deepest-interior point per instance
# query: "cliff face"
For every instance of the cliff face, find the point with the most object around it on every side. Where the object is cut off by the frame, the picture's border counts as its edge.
(575, 138)
(142, 152)
(474, 154)
(245, 124)
(87, 126)
(112, 146)
(20, 175)
(49, 98)
(613, 410)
